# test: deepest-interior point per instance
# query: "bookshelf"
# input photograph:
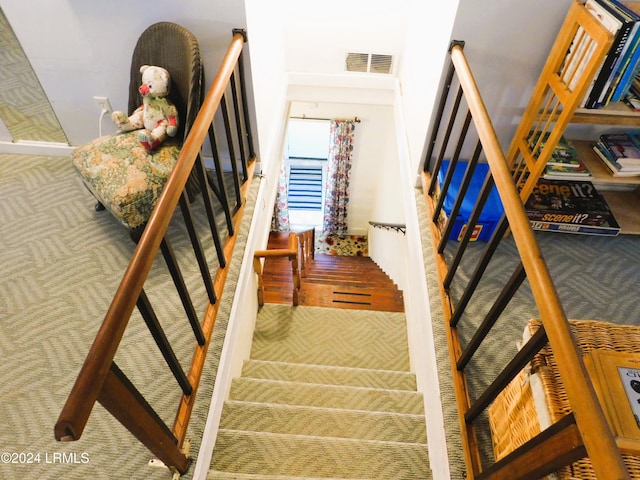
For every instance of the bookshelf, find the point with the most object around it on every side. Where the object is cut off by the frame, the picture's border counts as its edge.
(621, 193)
(555, 104)
(618, 114)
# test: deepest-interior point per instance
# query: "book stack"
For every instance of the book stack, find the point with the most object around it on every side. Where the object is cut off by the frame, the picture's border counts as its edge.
(615, 77)
(564, 163)
(570, 207)
(620, 153)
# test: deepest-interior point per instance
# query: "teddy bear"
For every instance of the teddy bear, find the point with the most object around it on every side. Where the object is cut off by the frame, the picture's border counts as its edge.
(157, 117)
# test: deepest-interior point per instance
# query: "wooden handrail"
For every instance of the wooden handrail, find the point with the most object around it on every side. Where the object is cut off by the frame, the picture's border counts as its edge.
(300, 251)
(307, 241)
(292, 253)
(594, 429)
(98, 365)
(398, 227)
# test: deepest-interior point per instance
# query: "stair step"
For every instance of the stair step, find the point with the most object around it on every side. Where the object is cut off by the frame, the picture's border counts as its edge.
(326, 396)
(217, 475)
(308, 456)
(351, 296)
(343, 263)
(282, 287)
(276, 298)
(313, 293)
(342, 280)
(354, 377)
(345, 338)
(311, 281)
(337, 271)
(323, 257)
(323, 422)
(353, 289)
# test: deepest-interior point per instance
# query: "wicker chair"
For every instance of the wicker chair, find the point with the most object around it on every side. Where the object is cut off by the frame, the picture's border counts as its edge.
(125, 178)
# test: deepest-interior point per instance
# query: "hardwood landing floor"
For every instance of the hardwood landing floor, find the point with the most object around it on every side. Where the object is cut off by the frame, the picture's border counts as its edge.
(336, 281)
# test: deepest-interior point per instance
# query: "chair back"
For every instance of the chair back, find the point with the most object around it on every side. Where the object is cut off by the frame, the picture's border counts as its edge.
(176, 49)
(173, 47)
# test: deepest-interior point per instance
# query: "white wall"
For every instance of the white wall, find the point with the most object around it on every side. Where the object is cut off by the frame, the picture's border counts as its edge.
(267, 51)
(5, 135)
(388, 247)
(80, 49)
(318, 34)
(506, 44)
(423, 59)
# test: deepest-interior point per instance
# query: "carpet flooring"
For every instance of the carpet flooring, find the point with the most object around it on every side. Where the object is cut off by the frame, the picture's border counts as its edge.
(327, 393)
(60, 263)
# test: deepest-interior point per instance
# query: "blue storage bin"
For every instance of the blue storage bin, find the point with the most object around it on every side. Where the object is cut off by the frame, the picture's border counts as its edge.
(491, 213)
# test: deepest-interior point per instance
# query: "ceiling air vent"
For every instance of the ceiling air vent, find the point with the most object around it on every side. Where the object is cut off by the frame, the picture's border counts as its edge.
(368, 63)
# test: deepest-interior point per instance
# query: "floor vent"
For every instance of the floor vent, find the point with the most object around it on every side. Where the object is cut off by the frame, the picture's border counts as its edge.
(368, 63)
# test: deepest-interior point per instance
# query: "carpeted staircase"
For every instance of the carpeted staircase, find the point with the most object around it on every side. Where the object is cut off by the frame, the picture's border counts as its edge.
(327, 393)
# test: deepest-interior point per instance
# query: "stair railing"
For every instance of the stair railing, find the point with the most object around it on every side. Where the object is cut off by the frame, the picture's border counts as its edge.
(300, 251)
(292, 253)
(307, 242)
(100, 379)
(585, 430)
(396, 227)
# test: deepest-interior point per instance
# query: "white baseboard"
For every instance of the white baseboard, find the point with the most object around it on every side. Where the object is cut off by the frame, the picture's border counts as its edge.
(29, 147)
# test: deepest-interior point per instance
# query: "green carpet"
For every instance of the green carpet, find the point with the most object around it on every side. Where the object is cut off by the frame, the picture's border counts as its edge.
(60, 263)
(326, 394)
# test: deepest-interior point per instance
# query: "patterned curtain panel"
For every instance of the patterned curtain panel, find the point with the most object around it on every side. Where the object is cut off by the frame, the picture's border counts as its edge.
(339, 171)
(280, 219)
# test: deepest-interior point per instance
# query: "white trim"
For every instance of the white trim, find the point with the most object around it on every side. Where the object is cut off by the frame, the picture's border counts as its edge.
(348, 88)
(422, 350)
(30, 147)
(343, 80)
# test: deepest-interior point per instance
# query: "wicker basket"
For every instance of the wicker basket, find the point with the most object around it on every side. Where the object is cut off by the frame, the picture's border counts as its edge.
(513, 417)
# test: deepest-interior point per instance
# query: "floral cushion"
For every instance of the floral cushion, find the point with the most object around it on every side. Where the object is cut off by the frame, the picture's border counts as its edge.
(124, 176)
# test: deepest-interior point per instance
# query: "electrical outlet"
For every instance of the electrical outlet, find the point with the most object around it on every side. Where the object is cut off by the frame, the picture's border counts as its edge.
(103, 103)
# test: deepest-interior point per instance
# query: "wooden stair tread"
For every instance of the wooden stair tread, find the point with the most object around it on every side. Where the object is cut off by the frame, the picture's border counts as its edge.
(348, 282)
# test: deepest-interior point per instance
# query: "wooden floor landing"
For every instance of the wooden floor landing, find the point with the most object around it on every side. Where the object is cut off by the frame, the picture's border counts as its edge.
(336, 281)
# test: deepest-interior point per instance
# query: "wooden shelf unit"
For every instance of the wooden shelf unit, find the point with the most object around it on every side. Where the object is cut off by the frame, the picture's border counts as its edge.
(555, 104)
(621, 193)
(617, 114)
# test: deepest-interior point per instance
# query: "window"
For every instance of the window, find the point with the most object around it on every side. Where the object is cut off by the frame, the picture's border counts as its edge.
(306, 167)
(305, 187)
(308, 139)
